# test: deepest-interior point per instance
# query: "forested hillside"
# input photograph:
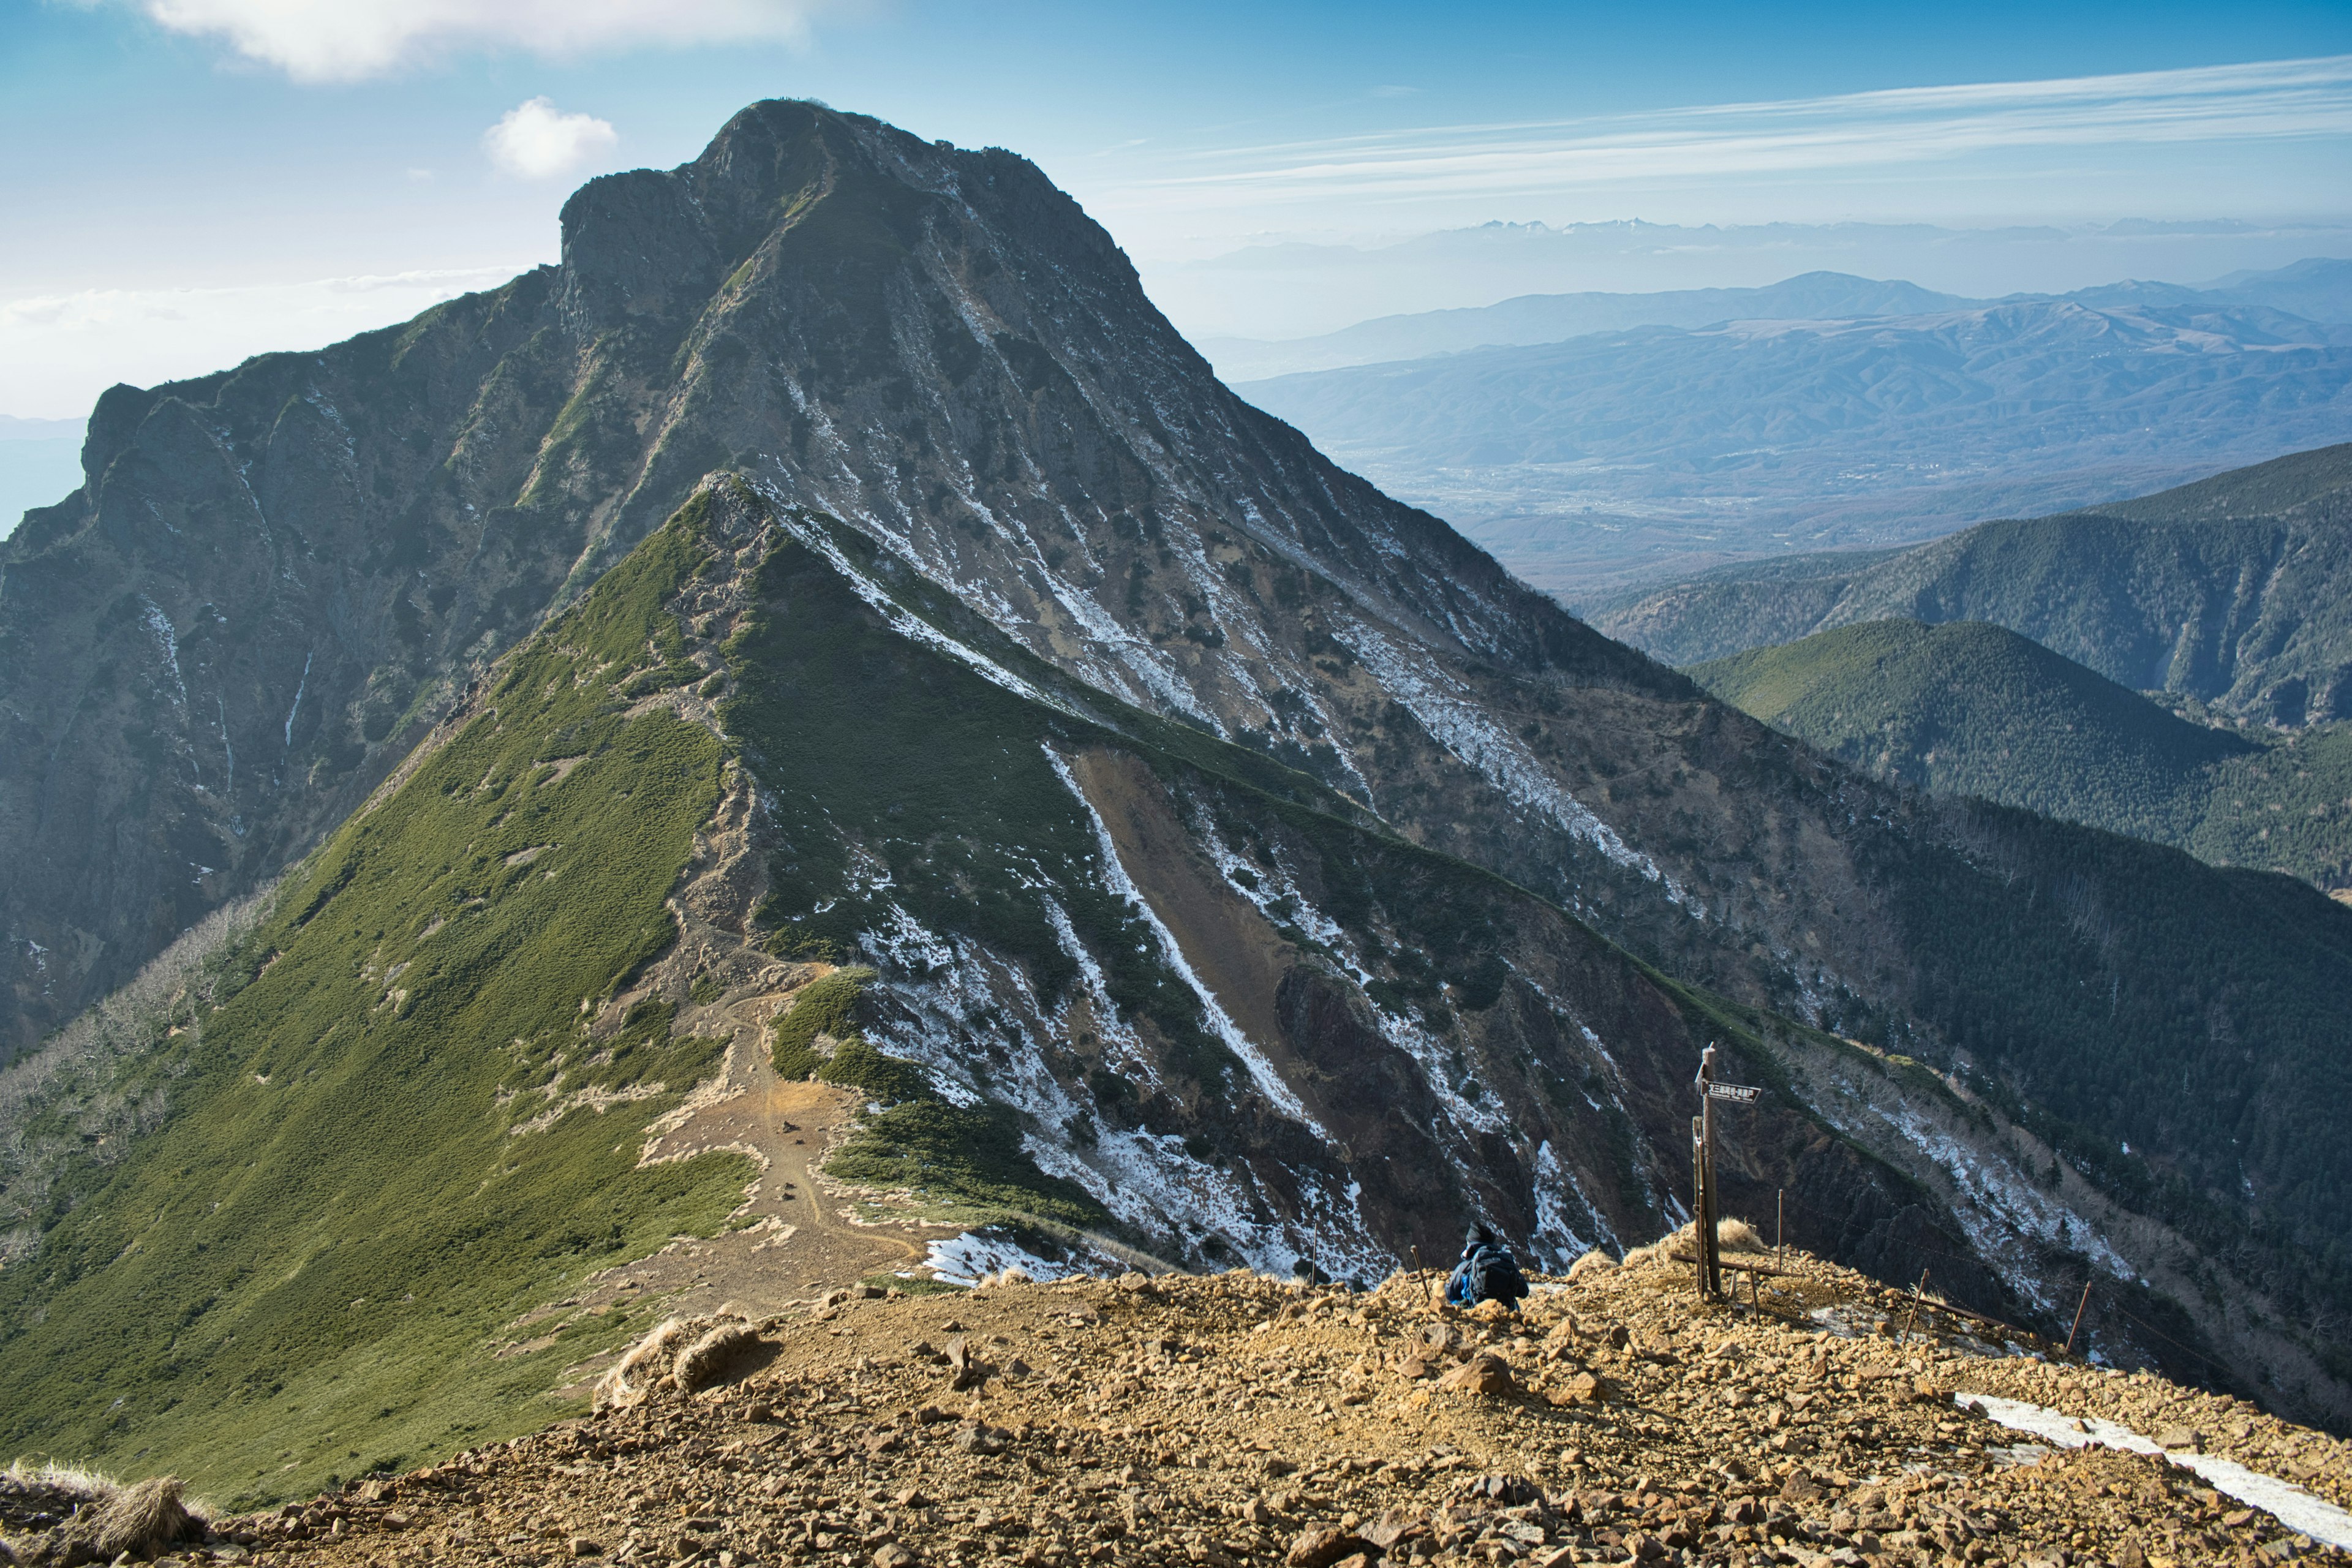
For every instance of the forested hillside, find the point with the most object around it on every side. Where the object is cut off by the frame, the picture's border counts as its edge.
(1971, 708)
(2235, 592)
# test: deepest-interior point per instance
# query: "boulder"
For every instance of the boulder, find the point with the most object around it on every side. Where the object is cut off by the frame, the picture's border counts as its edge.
(1482, 1373)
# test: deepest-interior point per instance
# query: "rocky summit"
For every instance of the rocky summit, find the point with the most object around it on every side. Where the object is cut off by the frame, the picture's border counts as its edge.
(1232, 1420)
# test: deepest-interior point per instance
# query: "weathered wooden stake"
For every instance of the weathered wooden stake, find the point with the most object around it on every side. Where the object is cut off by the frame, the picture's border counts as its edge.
(1913, 1315)
(1779, 1225)
(1710, 1260)
(2085, 1301)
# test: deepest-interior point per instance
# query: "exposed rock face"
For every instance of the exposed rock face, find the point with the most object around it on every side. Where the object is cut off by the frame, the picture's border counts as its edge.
(274, 576)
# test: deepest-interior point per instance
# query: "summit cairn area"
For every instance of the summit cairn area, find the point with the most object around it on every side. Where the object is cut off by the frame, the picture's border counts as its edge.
(1234, 1419)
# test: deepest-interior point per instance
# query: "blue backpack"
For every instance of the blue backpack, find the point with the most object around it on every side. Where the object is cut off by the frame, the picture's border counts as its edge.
(1488, 1274)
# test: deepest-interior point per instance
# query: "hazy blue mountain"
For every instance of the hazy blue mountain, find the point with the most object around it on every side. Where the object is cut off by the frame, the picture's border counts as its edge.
(2236, 591)
(1968, 708)
(2318, 289)
(1603, 458)
(1293, 289)
(1549, 317)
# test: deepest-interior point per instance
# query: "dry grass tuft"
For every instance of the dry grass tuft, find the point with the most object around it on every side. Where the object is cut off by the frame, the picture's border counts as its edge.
(1682, 1247)
(723, 1353)
(143, 1519)
(632, 1378)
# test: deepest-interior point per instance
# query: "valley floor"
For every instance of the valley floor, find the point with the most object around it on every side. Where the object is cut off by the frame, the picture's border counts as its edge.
(1233, 1420)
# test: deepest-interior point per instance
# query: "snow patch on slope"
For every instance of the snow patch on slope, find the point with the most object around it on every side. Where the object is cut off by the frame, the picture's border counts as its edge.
(1220, 1023)
(2290, 1505)
(1456, 721)
(960, 993)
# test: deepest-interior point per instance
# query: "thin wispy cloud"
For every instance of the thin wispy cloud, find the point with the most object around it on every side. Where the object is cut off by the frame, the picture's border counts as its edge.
(2278, 100)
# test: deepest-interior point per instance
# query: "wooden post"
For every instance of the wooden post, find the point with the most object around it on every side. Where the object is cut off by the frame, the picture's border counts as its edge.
(1710, 1260)
(2085, 1301)
(1779, 1225)
(1420, 1276)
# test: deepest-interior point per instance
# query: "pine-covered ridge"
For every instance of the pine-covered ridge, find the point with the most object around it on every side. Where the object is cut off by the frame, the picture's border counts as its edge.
(2230, 593)
(1966, 708)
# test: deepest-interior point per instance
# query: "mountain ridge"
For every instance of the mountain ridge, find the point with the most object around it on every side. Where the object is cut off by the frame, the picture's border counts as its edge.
(1060, 993)
(2228, 591)
(1968, 708)
(2317, 289)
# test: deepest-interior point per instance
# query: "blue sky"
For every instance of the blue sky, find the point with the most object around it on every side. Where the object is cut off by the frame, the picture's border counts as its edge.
(192, 180)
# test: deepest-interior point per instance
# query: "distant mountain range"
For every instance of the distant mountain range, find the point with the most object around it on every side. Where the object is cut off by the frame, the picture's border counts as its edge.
(2318, 289)
(1294, 289)
(2235, 591)
(1966, 708)
(1595, 462)
(1551, 318)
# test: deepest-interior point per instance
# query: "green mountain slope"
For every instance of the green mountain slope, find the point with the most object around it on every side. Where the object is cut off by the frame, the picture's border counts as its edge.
(298, 1272)
(2235, 592)
(1970, 709)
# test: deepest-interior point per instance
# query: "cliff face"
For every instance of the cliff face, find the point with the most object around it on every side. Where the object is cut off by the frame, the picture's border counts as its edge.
(274, 578)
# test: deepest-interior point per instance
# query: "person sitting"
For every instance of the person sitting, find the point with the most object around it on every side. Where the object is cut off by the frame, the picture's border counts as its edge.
(1487, 1272)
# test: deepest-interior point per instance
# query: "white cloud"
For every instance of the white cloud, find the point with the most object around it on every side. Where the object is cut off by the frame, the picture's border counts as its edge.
(345, 40)
(534, 142)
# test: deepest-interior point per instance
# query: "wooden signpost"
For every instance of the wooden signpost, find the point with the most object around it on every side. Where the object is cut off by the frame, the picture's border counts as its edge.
(1710, 1257)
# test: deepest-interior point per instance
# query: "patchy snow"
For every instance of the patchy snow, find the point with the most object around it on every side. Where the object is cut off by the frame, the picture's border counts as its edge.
(1277, 894)
(968, 1259)
(913, 628)
(1146, 1180)
(161, 625)
(2000, 1204)
(299, 687)
(2289, 1504)
(1459, 722)
(1848, 1321)
(1996, 1203)
(1556, 1241)
(220, 711)
(1121, 1046)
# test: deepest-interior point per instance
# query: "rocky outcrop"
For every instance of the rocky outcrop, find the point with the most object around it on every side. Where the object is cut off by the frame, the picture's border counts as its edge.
(1235, 1420)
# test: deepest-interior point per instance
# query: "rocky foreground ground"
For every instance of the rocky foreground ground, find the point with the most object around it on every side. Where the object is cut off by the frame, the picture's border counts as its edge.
(1235, 1420)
